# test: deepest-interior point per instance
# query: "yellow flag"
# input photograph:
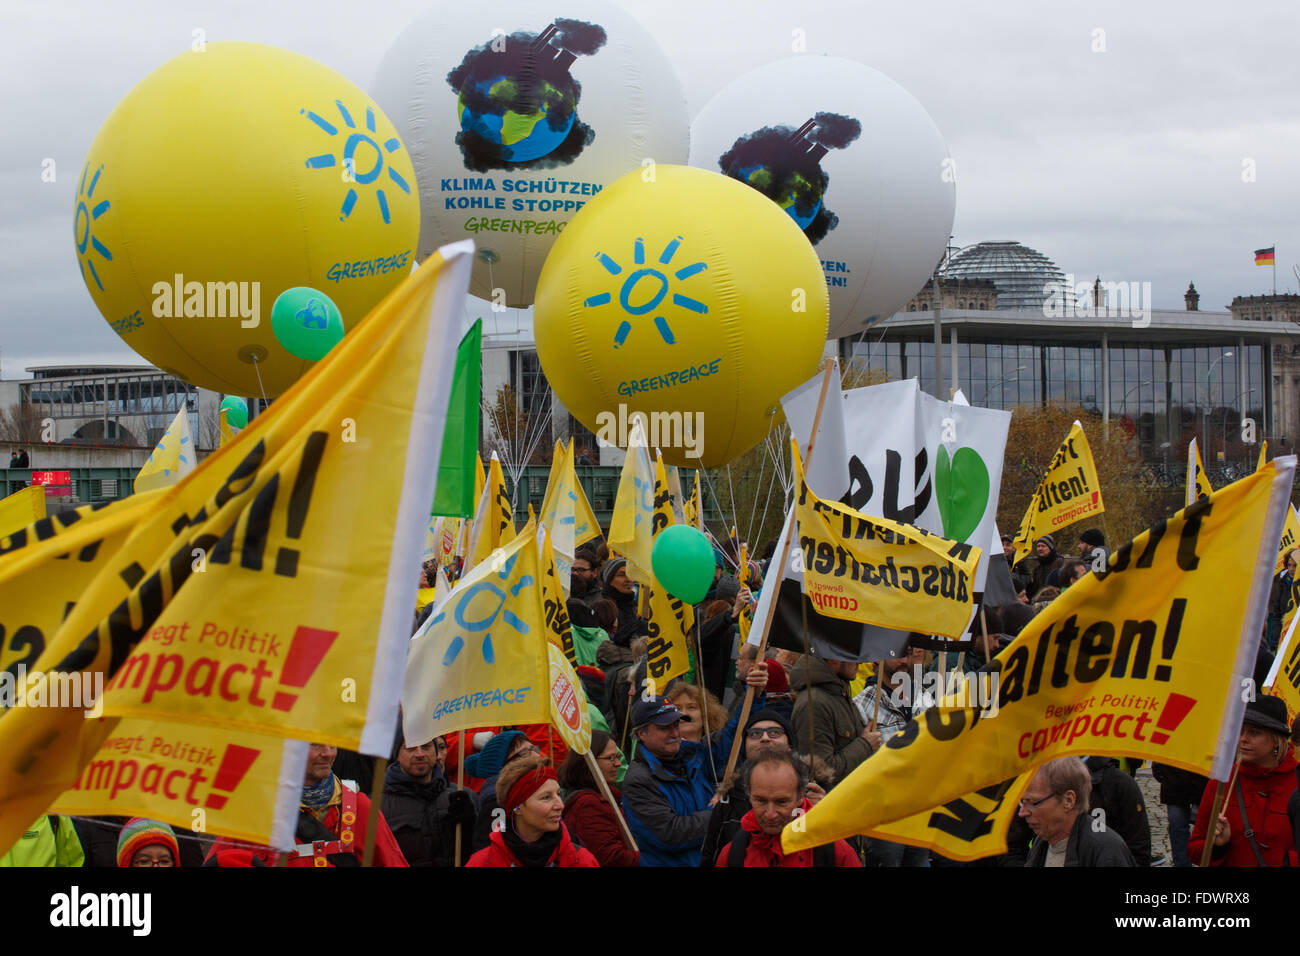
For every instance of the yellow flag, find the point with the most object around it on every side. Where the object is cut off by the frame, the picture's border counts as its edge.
(21, 509)
(479, 477)
(1181, 606)
(631, 530)
(862, 568)
(1263, 455)
(172, 460)
(223, 604)
(566, 503)
(558, 629)
(671, 621)
(224, 782)
(1283, 680)
(494, 522)
(1069, 492)
(1198, 483)
(481, 660)
(1290, 538)
(969, 828)
(225, 432)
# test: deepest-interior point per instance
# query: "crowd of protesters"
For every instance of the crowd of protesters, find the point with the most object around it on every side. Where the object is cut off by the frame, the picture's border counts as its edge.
(655, 791)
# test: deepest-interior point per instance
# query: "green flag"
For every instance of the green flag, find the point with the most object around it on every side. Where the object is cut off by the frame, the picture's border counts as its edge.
(455, 492)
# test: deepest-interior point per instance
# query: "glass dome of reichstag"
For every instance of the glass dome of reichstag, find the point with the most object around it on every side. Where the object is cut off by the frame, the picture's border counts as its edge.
(1018, 272)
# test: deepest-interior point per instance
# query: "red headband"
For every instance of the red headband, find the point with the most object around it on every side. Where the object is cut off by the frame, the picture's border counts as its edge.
(526, 786)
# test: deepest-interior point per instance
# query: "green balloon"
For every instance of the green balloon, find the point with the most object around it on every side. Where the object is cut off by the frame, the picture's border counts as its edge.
(682, 559)
(236, 410)
(306, 322)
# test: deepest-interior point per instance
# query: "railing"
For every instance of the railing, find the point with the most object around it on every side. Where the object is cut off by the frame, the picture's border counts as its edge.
(88, 484)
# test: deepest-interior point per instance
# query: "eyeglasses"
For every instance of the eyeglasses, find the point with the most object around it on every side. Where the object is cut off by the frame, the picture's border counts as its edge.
(1034, 803)
(758, 733)
(148, 861)
(578, 570)
(615, 758)
(524, 752)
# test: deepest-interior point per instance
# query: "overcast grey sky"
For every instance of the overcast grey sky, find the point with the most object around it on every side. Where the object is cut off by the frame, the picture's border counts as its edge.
(1125, 162)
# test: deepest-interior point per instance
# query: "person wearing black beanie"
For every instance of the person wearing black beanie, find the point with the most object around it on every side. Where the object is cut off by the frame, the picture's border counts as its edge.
(766, 730)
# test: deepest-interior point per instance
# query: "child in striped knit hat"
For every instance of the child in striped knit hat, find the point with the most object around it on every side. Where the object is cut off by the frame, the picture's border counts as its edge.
(147, 843)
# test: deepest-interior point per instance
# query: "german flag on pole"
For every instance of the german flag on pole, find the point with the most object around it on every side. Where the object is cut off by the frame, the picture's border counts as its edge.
(1264, 257)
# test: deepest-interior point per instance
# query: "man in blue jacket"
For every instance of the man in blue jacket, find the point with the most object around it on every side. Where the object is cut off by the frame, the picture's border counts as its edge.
(669, 789)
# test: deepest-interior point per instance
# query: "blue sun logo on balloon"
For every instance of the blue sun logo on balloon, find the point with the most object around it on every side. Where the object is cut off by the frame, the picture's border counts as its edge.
(656, 282)
(479, 623)
(362, 155)
(88, 211)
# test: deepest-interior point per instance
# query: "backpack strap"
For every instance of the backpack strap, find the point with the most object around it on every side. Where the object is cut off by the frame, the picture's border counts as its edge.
(738, 847)
(1249, 833)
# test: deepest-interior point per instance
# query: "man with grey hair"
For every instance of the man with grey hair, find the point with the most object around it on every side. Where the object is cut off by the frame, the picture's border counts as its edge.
(1055, 806)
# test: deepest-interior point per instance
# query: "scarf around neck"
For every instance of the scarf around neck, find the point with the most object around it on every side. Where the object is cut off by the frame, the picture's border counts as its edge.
(318, 795)
(534, 854)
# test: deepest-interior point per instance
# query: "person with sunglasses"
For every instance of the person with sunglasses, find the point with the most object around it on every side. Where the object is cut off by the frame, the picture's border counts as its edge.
(1055, 806)
(587, 814)
(767, 731)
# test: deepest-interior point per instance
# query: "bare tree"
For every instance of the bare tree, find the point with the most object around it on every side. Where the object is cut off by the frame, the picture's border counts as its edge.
(21, 422)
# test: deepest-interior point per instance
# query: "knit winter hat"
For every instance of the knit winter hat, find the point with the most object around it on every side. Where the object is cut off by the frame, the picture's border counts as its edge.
(489, 761)
(778, 681)
(611, 568)
(1050, 541)
(775, 716)
(140, 833)
(1094, 538)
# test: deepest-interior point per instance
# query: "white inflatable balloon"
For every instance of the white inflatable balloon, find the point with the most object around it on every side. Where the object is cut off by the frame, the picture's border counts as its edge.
(517, 113)
(854, 159)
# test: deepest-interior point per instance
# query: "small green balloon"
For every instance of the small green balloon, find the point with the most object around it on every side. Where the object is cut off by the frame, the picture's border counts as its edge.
(236, 411)
(306, 322)
(682, 560)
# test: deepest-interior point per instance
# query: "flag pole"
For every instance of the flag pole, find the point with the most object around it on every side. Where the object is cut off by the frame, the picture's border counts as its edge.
(603, 784)
(460, 785)
(1220, 793)
(745, 708)
(376, 797)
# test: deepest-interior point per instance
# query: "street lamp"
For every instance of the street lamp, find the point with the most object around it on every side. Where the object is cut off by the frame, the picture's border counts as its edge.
(1002, 381)
(1206, 416)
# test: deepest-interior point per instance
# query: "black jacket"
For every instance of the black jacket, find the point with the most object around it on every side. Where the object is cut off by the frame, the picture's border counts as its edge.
(630, 626)
(1087, 847)
(724, 823)
(1115, 792)
(418, 815)
(1177, 785)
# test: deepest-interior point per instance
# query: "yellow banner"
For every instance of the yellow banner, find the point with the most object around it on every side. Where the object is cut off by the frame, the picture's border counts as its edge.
(1150, 658)
(862, 568)
(21, 509)
(197, 778)
(494, 523)
(1070, 491)
(481, 660)
(1290, 537)
(558, 629)
(1283, 680)
(1198, 483)
(671, 621)
(225, 433)
(969, 828)
(223, 605)
(172, 459)
(1263, 455)
(566, 502)
(631, 530)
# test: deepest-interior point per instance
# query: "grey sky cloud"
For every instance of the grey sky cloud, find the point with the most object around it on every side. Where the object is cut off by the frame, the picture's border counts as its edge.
(1125, 162)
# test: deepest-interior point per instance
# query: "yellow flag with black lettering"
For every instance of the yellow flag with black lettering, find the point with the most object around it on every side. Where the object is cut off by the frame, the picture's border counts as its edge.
(858, 567)
(494, 521)
(1070, 491)
(1290, 538)
(558, 629)
(223, 605)
(481, 659)
(1283, 680)
(1198, 482)
(969, 828)
(1151, 658)
(671, 621)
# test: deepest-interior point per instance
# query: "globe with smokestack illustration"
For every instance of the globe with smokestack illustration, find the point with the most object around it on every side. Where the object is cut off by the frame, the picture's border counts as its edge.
(785, 166)
(517, 102)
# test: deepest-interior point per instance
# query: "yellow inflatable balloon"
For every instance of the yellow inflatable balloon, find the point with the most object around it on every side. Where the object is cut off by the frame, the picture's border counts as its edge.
(687, 296)
(224, 178)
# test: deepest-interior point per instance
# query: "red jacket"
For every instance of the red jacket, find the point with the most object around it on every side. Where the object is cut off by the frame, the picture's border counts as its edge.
(591, 819)
(1266, 793)
(764, 850)
(566, 854)
(387, 852)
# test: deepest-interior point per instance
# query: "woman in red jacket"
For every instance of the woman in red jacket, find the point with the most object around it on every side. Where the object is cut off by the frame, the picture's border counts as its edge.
(587, 813)
(1265, 782)
(533, 834)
